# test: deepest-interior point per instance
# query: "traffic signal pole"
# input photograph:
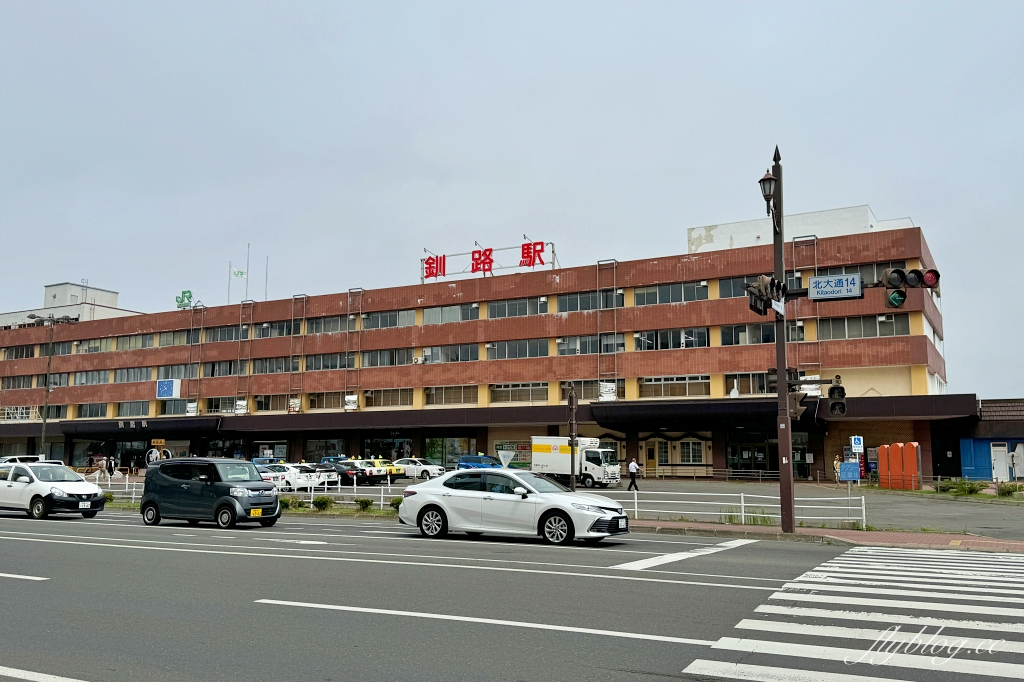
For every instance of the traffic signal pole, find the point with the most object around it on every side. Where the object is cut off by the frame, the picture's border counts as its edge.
(785, 426)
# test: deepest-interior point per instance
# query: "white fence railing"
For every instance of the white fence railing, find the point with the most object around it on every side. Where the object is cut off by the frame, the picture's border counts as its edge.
(741, 508)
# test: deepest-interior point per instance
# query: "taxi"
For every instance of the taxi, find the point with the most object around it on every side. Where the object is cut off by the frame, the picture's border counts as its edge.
(394, 471)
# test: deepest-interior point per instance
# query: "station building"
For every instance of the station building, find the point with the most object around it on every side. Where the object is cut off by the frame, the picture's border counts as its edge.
(447, 368)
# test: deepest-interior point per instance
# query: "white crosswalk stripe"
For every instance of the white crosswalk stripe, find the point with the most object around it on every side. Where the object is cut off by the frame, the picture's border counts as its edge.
(877, 614)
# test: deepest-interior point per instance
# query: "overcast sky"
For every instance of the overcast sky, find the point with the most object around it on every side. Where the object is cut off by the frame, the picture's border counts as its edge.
(143, 144)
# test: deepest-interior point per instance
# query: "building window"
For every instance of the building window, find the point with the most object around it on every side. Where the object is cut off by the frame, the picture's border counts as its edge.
(8, 383)
(613, 343)
(57, 412)
(864, 327)
(869, 272)
(391, 318)
(135, 408)
(92, 378)
(666, 339)
(96, 346)
(330, 447)
(388, 397)
(135, 342)
(451, 313)
(517, 307)
(178, 371)
(675, 387)
(182, 337)
(794, 280)
(744, 334)
(465, 352)
(388, 358)
(275, 365)
(748, 383)
(523, 348)
(92, 410)
(590, 300)
(662, 453)
(316, 363)
(671, 293)
(326, 401)
(173, 406)
(450, 395)
(331, 325)
(535, 392)
(218, 334)
(269, 330)
(691, 452)
(794, 331)
(578, 345)
(55, 380)
(59, 348)
(590, 389)
(221, 405)
(133, 374)
(225, 368)
(271, 403)
(19, 352)
(735, 287)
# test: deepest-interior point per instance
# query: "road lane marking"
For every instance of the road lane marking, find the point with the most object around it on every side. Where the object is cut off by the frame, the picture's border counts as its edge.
(898, 618)
(679, 556)
(974, 666)
(928, 579)
(856, 589)
(869, 634)
(763, 673)
(815, 577)
(503, 569)
(491, 621)
(898, 604)
(296, 542)
(33, 676)
(21, 577)
(184, 535)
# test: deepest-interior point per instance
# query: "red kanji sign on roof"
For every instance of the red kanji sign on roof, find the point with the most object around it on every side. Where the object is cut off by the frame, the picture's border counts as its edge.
(532, 254)
(434, 267)
(483, 260)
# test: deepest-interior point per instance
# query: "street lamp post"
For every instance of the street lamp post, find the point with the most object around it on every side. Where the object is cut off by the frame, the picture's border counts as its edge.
(49, 321)
(771, 190)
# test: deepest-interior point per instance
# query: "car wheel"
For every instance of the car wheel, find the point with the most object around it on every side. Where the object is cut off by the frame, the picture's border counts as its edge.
(556, 529)
(267, 523)
(150, 515)
(433, 523)
(588, 481)
(425, 475)
(225, 517)
(88, 514)
(193, 522)
(37, 510)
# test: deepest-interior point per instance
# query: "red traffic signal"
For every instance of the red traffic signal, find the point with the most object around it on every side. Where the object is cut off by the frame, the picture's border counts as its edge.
(931, 278)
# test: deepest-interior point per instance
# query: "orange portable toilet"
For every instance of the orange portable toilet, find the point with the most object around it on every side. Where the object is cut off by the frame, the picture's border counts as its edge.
(910, 468)
(896, 466)
(883, 466)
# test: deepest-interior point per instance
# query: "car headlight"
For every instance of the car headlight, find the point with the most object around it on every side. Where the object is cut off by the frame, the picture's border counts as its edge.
(593, 509)
(57, 492)
(239, 492)
(273, 492)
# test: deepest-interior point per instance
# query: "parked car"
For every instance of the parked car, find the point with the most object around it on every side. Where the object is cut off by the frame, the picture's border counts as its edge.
(272, 476)
(348, 470)
(333, 459)
(326, 475)
(41, 489)
(478, 462)
(509, 502)
(227, 491)
(417, 467)
(24, 459)
(294, 478)
(374, 473)
(392, 469)
(264, 461)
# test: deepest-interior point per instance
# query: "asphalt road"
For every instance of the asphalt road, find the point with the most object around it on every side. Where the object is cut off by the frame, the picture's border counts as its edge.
(324, 600)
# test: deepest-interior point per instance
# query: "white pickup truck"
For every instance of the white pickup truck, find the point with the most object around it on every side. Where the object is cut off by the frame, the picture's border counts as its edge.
(594, 466)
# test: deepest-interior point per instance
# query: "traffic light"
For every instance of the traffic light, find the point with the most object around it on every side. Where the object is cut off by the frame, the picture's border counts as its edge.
(836, 400)
(758, 304)
(894, 278)
(895, 298)
(793, 401)
(765, 290)
(896, 281)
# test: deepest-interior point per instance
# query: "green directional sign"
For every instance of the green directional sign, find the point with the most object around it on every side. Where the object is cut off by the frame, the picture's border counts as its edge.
(895, 298)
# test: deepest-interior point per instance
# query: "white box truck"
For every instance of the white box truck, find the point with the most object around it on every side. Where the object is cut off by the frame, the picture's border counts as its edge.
(594, 465)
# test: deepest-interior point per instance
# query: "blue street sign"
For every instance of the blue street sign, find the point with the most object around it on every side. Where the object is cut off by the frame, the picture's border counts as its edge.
(828, 287)
(849, 471)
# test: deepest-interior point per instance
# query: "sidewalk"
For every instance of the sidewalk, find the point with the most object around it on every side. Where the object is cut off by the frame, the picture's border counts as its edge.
(831, 536)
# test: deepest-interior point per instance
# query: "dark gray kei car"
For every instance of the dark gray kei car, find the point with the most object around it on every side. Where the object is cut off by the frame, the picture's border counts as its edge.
(227, 491)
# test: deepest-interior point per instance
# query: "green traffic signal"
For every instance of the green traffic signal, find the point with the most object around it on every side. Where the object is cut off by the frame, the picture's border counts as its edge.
(895, 298)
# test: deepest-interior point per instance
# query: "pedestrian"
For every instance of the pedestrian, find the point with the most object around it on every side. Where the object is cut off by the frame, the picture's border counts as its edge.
(835, 467)
(110, 467)
(633, 469)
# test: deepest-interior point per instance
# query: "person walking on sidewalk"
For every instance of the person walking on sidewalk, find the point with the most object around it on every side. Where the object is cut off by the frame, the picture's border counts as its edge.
(633, 469)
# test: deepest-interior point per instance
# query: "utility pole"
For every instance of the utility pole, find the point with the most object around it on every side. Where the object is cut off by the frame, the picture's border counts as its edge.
(572, 437)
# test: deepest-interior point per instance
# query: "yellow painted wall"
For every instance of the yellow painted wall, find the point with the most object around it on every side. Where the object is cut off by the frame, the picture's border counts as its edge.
(627, 298)
(913, 264)
(418, 398)
(717, 385)
(916, 323)
(552, 347)
(554, 393)
(716, 337)
(632, 388)
(483, 310)
(482, 350)
(483, 395)
(630, 342)
(919, 379)
(874, 381)
(712, 289)
(419, 317)
(810, 330)
(552, 304)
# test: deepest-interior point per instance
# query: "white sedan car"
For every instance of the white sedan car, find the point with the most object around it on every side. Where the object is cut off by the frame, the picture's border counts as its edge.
(417, 467)
(509, 502)
(294, 478)
(41, 489)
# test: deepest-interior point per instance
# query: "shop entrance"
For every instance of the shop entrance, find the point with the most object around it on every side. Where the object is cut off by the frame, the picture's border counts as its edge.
(388, 448)
(447, 451)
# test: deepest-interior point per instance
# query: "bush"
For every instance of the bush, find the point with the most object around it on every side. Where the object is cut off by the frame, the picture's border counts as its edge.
(323, 503)
(1007, 489)
(363, 503)
(109, 497)
(292, 503)
(961, 486)
(396, 502)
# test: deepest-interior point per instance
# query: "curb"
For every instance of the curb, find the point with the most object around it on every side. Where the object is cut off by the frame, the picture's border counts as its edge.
(745, 534)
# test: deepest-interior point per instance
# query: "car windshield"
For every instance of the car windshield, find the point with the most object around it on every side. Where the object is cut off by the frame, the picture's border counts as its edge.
(238, 471)
(541, 484)
(55, 474)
